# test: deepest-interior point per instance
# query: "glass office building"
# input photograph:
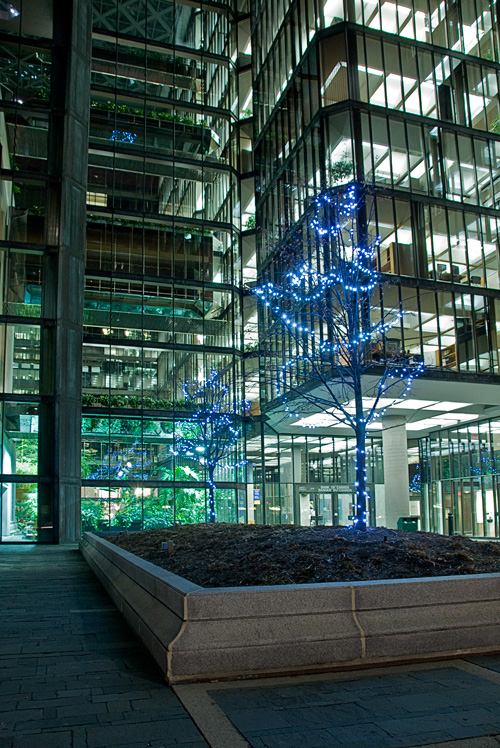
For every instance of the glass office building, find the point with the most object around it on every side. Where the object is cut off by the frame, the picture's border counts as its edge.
(154, 296)
(43, 136)
(163, 268)
(153, 156)
(402, 96)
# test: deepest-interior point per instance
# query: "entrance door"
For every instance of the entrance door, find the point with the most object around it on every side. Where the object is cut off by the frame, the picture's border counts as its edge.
(323, 509)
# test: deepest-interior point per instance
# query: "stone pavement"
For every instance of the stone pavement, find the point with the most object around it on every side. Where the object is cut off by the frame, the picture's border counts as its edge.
(72, 673)
(74, 676)
(384, 708)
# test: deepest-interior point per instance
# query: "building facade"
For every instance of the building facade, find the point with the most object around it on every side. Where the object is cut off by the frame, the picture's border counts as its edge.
(154, 155)
(404, 98)
(43, 124)
(163, 266)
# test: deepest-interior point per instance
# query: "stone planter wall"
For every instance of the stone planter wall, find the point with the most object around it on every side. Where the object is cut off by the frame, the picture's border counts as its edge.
(196, 633)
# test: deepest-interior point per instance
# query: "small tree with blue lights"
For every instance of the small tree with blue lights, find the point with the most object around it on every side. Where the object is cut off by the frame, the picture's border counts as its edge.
(338, 361)
(211, 432)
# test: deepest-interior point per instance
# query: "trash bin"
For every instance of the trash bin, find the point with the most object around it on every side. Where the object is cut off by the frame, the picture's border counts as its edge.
(409, 524)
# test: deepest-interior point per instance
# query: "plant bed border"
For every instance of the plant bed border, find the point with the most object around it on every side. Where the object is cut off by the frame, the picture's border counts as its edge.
(198, 634)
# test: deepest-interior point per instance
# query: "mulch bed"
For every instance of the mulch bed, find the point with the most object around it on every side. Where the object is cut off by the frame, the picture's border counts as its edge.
(224, 555)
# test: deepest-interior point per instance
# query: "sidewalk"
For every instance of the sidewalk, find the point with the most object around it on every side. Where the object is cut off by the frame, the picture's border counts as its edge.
(454, 704)
(74, 676)
(72, 673)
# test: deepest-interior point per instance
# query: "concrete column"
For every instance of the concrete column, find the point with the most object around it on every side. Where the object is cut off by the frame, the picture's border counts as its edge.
(61, 362)
(293, 473)
(396, 482)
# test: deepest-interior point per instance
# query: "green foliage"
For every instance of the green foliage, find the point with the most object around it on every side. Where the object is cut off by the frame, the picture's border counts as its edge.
(147, 510)
(26, 507)
(135, 402)
(190, 506)
(87, 463)
(341, 170)
(130, 511)
(95, 425)
(250, 224)
(251, 348)
(495, 126)
(156, 60)
(111, 106)
(159, 510)
(24, 310)
(42, 95)
(94, 513)
(27, 456)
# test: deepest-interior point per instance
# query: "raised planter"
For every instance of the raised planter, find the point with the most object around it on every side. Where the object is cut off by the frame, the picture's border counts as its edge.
(195, 633)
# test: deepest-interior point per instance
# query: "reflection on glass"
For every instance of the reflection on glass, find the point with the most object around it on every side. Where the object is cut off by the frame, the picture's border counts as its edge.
(19, 512)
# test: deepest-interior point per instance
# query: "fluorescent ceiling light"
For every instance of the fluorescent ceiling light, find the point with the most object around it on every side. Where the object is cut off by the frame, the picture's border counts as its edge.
(419, 170)
(447, 405)
(446, 322)
(413, 404)
(442, 421)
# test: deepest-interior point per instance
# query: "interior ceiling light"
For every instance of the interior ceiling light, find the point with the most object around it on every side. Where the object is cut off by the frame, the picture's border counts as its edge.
(8, 11)
(414, 404)
(446, 405)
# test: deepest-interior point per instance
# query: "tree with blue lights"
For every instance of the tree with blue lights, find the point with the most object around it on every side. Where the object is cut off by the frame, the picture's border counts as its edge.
(322, 310)
(211, 432)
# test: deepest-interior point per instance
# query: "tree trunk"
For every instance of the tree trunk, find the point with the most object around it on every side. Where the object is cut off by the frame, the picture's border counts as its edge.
(359, 515)
(211, 496)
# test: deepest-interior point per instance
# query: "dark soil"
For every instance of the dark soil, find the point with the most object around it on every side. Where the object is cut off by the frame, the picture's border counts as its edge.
(223, 555)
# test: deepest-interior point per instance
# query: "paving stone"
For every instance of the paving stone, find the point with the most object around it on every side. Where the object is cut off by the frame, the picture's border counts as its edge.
(256, 720)
(121, 695)
(412, 740)
(303, 739)
(44, 740)
(75, 710)
(57, 722)
(168, 731)
(488, 661)
(354, 734)
(14, 716)
(76, 693)
(460, 732)
(383, 706)
(417, 725)
(118, 707)
(477, 717)
(478, 694)
(65, 671)
(325, 716)
(421, 703)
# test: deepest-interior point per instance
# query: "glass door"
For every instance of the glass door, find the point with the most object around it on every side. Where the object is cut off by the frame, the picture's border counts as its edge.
(323, 509)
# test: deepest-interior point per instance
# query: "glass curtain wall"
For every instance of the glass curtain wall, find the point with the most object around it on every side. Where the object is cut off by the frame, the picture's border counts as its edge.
(163, 278)
(460, 476)
(403, 96)
(30, 60)
(306, 480)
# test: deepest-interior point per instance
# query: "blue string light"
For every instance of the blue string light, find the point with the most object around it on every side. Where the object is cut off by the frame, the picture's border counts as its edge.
(210, 433)
(325, 306)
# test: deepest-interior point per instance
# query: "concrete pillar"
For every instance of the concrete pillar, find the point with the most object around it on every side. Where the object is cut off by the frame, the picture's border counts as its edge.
(396, 482)
(61, 362)
(293, 473)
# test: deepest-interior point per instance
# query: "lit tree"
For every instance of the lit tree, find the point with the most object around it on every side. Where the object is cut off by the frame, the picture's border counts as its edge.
(338, 360)
(211, 433)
